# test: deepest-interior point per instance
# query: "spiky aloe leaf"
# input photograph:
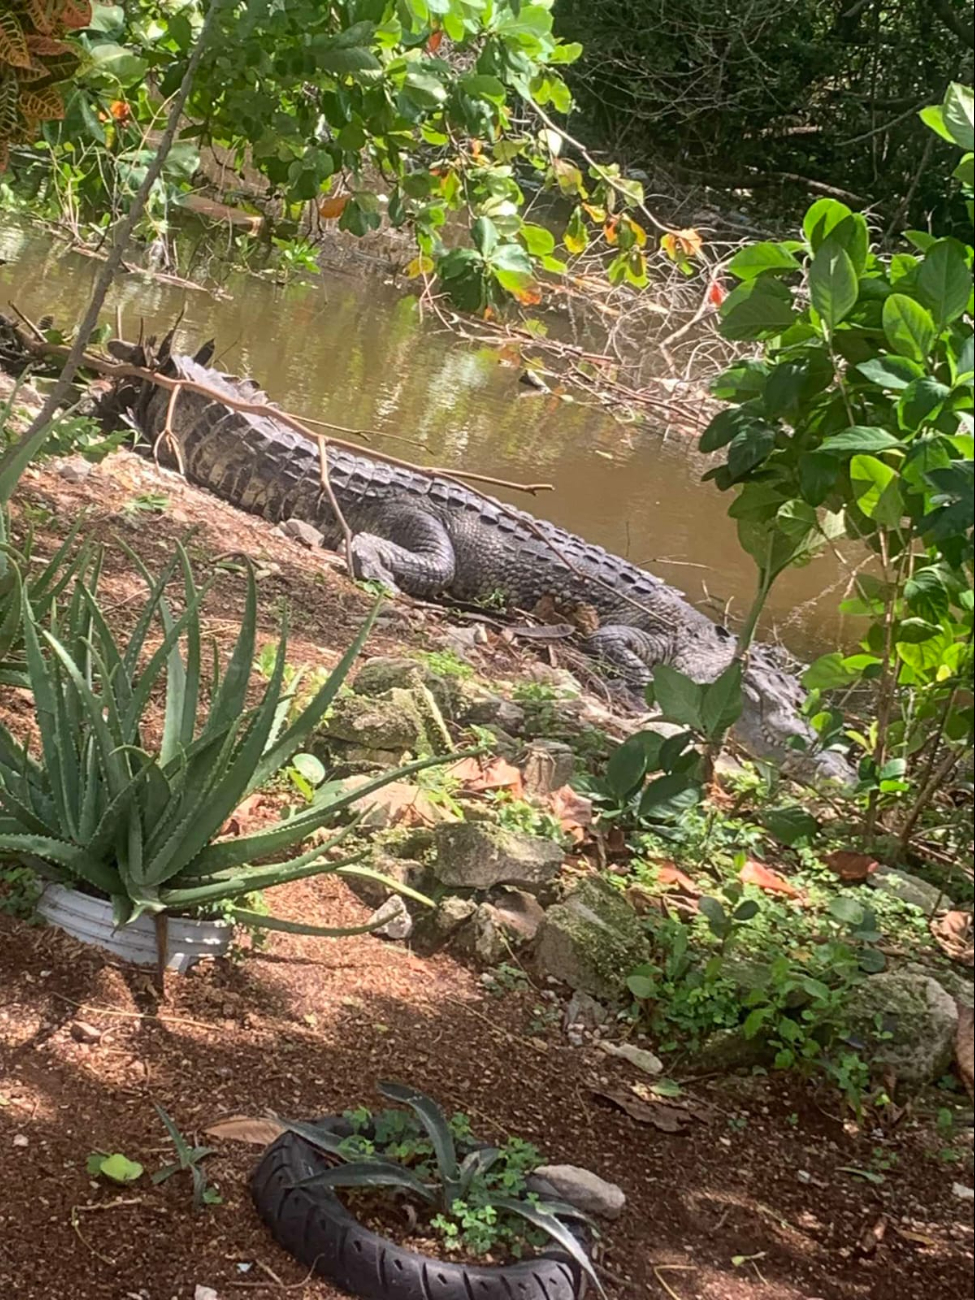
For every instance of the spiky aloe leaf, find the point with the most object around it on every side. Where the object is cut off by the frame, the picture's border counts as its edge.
(476, 1164)
(394, 886)
(544, 1217)
(435, 1122)
(316, 1134)
(267, 877)
(370, 1173)
(76, 862)
(258, 920)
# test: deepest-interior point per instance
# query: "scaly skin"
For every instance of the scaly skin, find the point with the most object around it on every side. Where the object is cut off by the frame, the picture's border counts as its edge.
(432, 537)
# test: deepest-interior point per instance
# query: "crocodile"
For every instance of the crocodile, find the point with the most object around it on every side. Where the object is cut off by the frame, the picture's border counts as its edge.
(429, 536)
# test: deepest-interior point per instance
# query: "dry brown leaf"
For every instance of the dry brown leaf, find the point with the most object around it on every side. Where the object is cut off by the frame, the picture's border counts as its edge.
(573, 810)
(964, 1050)
(851, 866)
(246, 1128)
(642, 900)
(757, 873)
(670, 874)
(953, 935)
(497, 774)
(667, 1117)
(332, 207)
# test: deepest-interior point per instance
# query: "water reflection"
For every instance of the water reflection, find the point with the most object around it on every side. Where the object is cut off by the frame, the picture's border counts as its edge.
(354, 351)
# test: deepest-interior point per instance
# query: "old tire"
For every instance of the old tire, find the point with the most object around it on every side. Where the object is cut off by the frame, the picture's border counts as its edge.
(312, 1224)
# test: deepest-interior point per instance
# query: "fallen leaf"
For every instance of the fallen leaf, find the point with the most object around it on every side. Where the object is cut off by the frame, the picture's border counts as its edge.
(666, 1118)
(669, 873)
(757, 873)
(245, 1128)
(953, 935)
(433, 43)
(964, 1052)
(573, 810)
(716, 293)
(642, 900)
(851, 866)
(919, 1238)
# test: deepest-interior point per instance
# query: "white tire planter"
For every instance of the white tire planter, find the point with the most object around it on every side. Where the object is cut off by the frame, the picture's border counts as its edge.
(90, 920)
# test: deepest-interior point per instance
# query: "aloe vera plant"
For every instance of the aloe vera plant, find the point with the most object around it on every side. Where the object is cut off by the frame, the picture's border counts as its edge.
(463, 1188)
(101, 810)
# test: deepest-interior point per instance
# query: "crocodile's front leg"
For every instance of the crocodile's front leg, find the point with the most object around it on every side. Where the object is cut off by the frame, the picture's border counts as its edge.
(413, 554)
(630, 650)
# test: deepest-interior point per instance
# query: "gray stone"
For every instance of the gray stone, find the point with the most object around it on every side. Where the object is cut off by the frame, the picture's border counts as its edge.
(729, 1049)
(638, 1056)
(520, 913)
(548, 765)
(490, 943)
(480, 856)
(299, 530)
(75, 470)
(397, 719)
(592, 940)
(584, 1011)
(911, 889)
(581, 1188)
(396, 920)
(399, 871)
(452, 913)
(494, 711)
(917, 1013)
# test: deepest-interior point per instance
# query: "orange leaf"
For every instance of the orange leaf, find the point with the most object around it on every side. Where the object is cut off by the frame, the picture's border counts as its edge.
(530, 295)
(76, 14)
(433, 44)
(573, 810)
(757, 873)
(716, 293)
(120, 111)
(610, 230)
(498, 774)
(851, 866)
(333, 206)
(670, 874)
(476, 148)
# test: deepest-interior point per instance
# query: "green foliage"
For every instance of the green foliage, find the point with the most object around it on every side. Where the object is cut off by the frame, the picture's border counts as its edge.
(367, 110)
(762, 96)
(188, 1160)
(521, 815)
(476, 1195)
(857, 422)
(139, 826)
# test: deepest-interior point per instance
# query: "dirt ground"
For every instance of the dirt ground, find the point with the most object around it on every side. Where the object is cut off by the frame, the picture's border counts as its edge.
(757, 1202)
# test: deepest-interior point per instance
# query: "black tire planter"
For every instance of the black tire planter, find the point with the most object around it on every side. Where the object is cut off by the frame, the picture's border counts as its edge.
(313, 1225)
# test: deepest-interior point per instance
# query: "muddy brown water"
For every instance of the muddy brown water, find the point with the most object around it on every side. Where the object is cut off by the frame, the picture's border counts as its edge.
(354, 350)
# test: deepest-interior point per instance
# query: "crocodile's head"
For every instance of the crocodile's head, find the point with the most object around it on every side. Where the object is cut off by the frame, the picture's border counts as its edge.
(771, 719)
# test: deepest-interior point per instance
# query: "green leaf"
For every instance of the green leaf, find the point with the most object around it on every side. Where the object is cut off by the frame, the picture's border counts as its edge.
(539, 241)
(721, 706)
(957, 114)
(828, 672)
(860, 438)
(680, 700)
(541, 1216)
(790, 825)
(665, 798)
(921, 403)
(908, 327)
(641, 986)
(484, 236)
(117, 1168)
(944, 281)
(756, 259)
(876, 491)
(890, 372)
(847, 911)
(821, 218)
(833, 285)
(757, 309)
(115, 61)
(627, 768)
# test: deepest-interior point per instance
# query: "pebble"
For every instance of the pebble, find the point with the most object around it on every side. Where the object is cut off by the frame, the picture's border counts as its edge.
(638, 1056)
(21, 1140)
(82, 1032)
(205, 1293)
(957, 1189)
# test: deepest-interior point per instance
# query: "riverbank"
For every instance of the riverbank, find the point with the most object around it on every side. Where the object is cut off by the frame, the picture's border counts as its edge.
(738, 1184)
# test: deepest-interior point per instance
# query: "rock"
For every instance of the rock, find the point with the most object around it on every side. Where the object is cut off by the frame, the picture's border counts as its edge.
(592, 940)
(911, 889)
(205, 1293)
(962, 1192)
(520, 913)
(548, 765)
(387, 673)
(917, 1013)
(82, 1032)
(638, 1056)
(584, 1011)
(397, 802)
(395, 720)
(480, 856)
(452, 913)
(490, 943)
(957, 983)
(581, 1188)
(75, 469)
(728, 1049)
(299, 530)
(396, 920)
(494, 711)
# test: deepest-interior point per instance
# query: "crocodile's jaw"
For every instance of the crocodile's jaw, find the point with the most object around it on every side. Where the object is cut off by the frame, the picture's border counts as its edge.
(771, 721)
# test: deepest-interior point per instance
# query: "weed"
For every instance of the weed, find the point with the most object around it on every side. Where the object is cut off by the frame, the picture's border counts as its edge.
(19, 891)
(519, 815)
(146, 503)
(188, 1160)
(445, 663)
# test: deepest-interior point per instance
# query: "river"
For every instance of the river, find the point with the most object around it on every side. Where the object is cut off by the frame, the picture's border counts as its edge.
(353, 350)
